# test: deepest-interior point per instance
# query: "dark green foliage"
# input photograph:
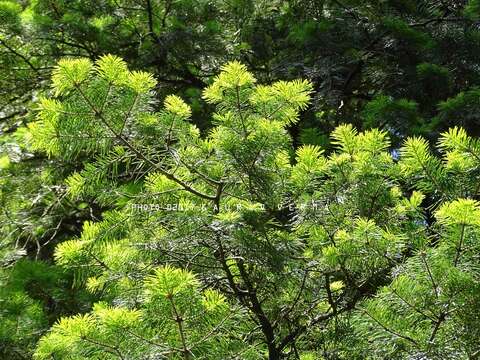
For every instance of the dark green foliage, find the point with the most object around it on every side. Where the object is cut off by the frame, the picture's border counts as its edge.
(462, 110)
(472, 9)
(399, 116)
(32, 296)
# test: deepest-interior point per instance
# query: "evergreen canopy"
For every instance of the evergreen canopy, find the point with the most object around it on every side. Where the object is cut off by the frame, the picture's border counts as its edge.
(239, 180)
(341, 240)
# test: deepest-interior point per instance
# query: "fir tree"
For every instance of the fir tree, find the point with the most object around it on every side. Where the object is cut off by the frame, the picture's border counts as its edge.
(315, 255)
(325, 250)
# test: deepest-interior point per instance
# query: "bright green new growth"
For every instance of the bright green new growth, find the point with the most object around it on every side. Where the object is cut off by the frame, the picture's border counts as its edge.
(269, 250)
(79, 124)
(175, 320)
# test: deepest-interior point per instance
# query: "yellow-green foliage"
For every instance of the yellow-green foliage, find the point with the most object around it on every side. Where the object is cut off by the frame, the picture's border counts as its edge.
(190, 320)
(233, 244)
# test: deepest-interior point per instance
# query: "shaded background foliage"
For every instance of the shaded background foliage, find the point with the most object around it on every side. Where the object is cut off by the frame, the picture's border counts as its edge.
(393, 61)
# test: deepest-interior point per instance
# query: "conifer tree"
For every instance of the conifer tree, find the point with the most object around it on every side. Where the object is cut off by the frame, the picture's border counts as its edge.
(314, 255)
(343, 248)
